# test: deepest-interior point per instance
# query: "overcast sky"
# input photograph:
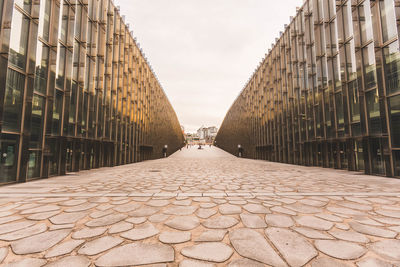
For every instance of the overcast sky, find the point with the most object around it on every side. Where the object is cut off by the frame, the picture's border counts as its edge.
(204, 51)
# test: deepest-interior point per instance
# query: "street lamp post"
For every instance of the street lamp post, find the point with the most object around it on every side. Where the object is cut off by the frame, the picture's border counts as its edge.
(165, 151)
(240, 149)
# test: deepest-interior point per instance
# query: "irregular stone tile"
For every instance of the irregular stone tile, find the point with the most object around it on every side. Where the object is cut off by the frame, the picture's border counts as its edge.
(106, 220)
(311, 233)
(313, 222)
(372, 230)
(220, 222)
(366, 220)
(355, 206)
(144, 211)
(202, 199)
(141, 232)
(219, 201)
(295, 248)
(251, 244)
(345, 211)
(61, 226)
(388, 249)
(82, 207)
(329, 217)
(40, 242)
(9, 219)
(193, 263)
(252, 221)
(104, 207)
(100, 213)
(76, 261)
(303, 208)
(389, 213)
(99, 245)
(89, 232)
(205, 213)
(256, 208)
(73, 202)
(31, 262)
(29, 231)
(43, 215)
(180, 210)
(211, 236)
(136, 254)
(120, 227)
(283, 210)
(312, 202)
(340, 249)
(373, 262)
(278, 220)
(174, 237)
(128, 207)
(245, 263)
(183, 223)
(3, 253)
(45, 208)
(388, 220)
(226, 209)
(28, 206)
(349, 236)
(157, 218)
(14, 226)
(136, 220)
(207, 205)
(64, 248)
(328, 262)
(186, 202)
(210, 251)
(65, 218)
(157, 203)
(342, 226)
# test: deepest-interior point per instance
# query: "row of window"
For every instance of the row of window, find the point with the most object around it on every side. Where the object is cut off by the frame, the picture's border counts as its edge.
(78, 91)
(331, 80)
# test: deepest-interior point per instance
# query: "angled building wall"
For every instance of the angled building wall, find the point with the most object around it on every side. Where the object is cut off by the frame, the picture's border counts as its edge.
(76, 91)
(327, 93)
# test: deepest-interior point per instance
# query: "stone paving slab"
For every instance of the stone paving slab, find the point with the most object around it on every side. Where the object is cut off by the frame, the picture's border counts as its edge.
(202, 208)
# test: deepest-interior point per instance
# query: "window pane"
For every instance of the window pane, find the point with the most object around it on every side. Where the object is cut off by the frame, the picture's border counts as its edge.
(8, 158)
(373, 111)
(13, 101)
(61, 67)
(34, 164)
(41, 69)
(57, 110)
(24, 4)
(394, 103)
(37, 121)
(18, 40)
(365, 22)
(369, 66)
(392, 67)
(44, 19)
(354, 101)
(389, 27)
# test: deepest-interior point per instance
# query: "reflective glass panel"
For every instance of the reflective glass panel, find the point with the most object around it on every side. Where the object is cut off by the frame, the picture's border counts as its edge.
(44, 19)
(13, 101)
(8, 157)
(41, 69)
(37, 121)
(18, 40)
(34, 164)
(388, 20)
(369, 66)
(392, 67)
(394, 103)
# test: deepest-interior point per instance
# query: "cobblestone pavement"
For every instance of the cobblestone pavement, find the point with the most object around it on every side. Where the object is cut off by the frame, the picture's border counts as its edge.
(202, 208)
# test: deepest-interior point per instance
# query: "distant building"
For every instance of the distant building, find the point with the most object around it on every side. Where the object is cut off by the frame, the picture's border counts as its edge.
(207, 134)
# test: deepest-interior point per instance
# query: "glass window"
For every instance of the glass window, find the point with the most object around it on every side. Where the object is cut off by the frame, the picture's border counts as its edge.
(376, 156)
(396, 159)
(369, 66)
(394, 103)
(354, 101)
(24, 4)
(373, 111)
(64, 23)
(37, 121)
(41, 69)
(365, 22)
(61, 67)
(44, 19)
(13, 101)
(388, 18)
(34, 164)
(8, 158)
(392, 67)
(339, 111)
(18, 40)
(57, 110)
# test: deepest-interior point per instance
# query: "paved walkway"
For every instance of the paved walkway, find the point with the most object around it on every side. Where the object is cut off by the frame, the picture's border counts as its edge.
(202, 208)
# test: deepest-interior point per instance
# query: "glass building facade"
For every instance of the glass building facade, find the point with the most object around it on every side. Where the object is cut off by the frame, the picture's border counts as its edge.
(76, 91)
(327, 93)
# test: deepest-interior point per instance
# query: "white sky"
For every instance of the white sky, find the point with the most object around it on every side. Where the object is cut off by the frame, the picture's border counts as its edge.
(204, 51)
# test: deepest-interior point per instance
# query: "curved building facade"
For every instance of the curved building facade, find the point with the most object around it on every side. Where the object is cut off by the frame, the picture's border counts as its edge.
(76, 91)
(327, 93)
